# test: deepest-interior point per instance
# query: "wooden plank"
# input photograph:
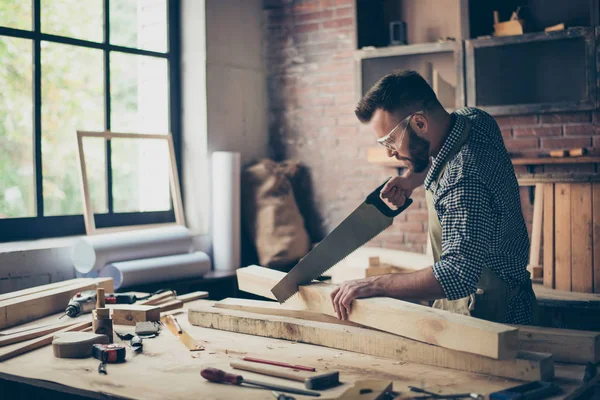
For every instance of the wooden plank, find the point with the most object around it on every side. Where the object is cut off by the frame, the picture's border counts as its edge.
(581, 238)
(596, 234)
(274, 308)
(186, 298)
(42, 288)
(159, 298)
(536, 232)
(170, 305)
(562, 232)
(131, 314)
(549, 235)
(527, 366)
(434, 326)
(6, 340)
(571, 346)
(22, 348)
(27, 308)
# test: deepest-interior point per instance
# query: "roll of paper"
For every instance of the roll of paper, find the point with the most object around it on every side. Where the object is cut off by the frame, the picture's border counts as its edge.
(159, 269)
(91, 253)
(226, 210)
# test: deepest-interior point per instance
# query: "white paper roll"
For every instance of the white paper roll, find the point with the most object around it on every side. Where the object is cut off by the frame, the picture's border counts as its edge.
(226, 210)
(152, 270)
(94, 252)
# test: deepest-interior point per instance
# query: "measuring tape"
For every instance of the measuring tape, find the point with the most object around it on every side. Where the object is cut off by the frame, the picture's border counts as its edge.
(108, 353)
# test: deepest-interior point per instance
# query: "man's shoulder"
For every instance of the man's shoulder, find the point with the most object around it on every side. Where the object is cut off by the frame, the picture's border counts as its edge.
(478, 118)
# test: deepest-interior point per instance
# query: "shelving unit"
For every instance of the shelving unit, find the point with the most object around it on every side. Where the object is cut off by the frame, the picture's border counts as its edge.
(441, 64)
(532, 73)
(523, 74)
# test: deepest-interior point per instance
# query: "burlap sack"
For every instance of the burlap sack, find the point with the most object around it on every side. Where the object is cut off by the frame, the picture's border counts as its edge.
(272, 218)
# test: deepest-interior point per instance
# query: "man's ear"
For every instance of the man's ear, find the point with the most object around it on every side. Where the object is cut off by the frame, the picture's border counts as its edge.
(419, 123)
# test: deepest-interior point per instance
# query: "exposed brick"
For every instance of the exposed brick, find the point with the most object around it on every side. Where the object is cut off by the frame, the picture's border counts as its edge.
(416, 215)
(416, 238)
(566, 118)
(565, 143)
(347, 120)
(581, 130)
(338, 23)
(415, 227)
(343, 12)
(506, 133)
(597, 142)
(315, 26)
(517, 120)
(538, 131)
(336, 3)
(314, 16)
(519, 144)
(306, 6)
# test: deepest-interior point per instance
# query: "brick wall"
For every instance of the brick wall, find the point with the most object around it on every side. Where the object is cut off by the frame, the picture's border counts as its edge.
(309, 55)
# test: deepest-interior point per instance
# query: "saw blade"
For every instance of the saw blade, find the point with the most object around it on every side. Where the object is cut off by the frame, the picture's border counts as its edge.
(366, 222)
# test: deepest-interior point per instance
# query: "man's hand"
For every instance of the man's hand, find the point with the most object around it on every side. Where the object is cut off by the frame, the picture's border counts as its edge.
(344, 294)
(399, 188)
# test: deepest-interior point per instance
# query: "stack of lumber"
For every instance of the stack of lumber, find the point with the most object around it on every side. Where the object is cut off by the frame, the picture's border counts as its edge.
(411, 332)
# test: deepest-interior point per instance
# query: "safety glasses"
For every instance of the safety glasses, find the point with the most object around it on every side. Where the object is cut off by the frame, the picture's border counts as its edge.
(397, 134)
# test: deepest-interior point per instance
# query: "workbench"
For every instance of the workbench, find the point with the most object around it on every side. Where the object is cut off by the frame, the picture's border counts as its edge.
(168, 370)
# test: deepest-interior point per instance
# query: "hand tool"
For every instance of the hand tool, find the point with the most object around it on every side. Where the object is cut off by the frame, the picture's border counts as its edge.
(280, 364)
(102, 323)
(220, 376)
(431, 395)
(147, 329)
(135, 341)
(282, 396)
(84, 302)
(108, 353)
(367, 221)
(314, 381)
(182, 335)
(76, 344)
(530, 391)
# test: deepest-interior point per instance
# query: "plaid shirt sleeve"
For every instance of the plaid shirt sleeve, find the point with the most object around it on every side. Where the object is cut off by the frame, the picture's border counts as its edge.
(466, 214)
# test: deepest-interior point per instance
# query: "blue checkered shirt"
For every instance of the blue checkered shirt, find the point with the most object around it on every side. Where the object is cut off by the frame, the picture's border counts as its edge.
(478, 204)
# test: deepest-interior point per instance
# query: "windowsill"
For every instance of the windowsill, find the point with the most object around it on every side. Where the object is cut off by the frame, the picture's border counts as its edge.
(39, 244)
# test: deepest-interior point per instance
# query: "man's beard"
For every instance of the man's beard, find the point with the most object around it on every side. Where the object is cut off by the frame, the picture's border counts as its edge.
(418, 149)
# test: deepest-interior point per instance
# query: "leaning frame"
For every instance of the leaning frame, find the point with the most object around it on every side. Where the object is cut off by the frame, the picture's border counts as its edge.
(88, 214)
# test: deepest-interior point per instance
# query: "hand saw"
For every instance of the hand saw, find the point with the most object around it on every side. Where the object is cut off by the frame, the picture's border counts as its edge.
(366, 222)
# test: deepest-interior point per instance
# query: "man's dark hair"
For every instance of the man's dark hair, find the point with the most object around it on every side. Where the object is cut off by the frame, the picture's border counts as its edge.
(400, 90)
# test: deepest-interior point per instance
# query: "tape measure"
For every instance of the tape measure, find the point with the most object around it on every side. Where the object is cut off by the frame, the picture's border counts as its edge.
(108, 353)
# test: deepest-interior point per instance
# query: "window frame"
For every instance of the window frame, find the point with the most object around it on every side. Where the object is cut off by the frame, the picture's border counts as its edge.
(40, 226)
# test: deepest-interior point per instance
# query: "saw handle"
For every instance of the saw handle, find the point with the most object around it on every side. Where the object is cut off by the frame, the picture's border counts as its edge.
(220, 376)
(375, 199)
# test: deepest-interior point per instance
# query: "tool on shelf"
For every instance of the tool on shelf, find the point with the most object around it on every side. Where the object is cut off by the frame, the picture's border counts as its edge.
(313, 381)
(279, 364)
(220, 376)
(108, 353)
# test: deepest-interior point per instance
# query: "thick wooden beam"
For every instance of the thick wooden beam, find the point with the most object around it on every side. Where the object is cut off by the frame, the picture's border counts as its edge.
(425, 324)
(26, 308)
(6, 340)
(186, 298)
(527, 366)
(131, 314)
(571, 346)
(43, 288)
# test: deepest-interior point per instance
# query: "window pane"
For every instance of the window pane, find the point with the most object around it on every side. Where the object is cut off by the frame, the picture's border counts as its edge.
(72, 99)
(139, 23)
(81, 19)
(140, 169)
(17, 177)
(94, 151)
(16, 14)
(139, 94)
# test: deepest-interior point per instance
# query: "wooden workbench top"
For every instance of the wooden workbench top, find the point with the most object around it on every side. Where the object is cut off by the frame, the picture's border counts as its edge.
(167, 370)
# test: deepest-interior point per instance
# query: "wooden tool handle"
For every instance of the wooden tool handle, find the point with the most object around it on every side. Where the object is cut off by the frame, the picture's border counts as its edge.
(269, 370)
(100, 298)
(220, 376)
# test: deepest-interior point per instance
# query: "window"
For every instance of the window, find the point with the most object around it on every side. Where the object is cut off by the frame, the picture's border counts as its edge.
(93, 65)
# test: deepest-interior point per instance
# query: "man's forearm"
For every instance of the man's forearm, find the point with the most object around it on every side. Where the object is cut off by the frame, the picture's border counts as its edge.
(418, 285)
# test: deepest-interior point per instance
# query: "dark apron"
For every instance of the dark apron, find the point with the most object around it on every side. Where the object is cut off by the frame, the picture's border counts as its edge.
(493, 295)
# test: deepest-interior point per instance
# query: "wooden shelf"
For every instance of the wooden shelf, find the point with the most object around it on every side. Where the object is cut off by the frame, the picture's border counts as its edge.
(411, 49)
(376, 155)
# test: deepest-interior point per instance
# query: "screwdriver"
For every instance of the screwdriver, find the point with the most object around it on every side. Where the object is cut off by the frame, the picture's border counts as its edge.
(220, 376)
